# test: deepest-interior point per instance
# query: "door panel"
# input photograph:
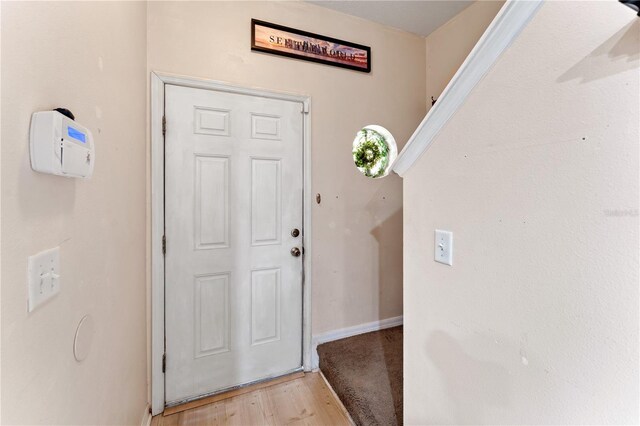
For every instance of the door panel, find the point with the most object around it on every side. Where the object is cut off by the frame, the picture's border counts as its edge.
(233, 193)
(266, 205)
(211, 314)
(211, 202)
(265, 309)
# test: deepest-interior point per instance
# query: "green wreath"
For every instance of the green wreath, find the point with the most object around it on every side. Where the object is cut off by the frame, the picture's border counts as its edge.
(371, 153)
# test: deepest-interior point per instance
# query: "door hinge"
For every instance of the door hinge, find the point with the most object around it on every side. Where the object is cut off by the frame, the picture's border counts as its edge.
(164, 244)
(164, 362)
(305, 109)
(164, 125)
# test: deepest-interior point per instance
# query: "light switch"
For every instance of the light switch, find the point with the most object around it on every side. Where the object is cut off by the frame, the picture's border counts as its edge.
(44, 277)
(444, 247)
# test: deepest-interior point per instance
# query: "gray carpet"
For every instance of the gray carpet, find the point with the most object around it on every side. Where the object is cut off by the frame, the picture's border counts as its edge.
(366, 373)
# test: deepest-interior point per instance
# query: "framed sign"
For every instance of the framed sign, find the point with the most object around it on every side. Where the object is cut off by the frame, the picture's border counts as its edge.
(285, 41)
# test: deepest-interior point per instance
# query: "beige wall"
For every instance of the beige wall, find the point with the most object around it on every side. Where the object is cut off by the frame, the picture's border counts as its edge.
(90, 58)
(357, 230)
(537, 320)
(100, 223)
(448, 46)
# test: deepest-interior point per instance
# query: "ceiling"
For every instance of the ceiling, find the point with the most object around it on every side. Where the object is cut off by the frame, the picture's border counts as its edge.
(420, 17)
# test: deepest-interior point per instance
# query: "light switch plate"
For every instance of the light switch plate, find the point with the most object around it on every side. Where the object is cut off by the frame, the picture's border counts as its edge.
(44, 277)
(444, 247)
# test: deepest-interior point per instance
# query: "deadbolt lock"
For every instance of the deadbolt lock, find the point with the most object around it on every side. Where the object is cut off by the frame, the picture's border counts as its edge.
(295, 232)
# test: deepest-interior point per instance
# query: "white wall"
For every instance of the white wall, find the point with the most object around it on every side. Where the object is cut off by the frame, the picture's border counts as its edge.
(537, 176)
(448, 46)
(357, 230)
(91, 58)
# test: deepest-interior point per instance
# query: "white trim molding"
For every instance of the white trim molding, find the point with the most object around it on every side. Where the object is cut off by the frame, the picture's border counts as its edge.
(514, 16)
(342, 333)
(157, 232)
(158, 82)
(146, 416)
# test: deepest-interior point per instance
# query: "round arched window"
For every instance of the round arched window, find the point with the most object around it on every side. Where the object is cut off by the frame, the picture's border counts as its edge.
(374, 151)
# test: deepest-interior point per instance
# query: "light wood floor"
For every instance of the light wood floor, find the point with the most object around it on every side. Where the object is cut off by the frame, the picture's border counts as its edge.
(303, 401)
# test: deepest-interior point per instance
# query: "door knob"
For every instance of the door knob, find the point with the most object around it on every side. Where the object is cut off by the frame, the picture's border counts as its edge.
(295, 252)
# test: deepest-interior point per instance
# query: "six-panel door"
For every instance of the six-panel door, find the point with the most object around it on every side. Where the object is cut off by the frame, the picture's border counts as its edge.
(233, 194)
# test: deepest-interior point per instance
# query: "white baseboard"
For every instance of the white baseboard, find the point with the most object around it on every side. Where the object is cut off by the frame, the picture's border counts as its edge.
(146, 416)
(342, 333)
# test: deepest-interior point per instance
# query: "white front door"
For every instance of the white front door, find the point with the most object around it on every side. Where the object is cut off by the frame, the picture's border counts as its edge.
(233, 198)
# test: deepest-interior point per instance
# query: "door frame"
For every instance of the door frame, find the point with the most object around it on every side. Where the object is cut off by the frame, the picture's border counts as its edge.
(158, 82)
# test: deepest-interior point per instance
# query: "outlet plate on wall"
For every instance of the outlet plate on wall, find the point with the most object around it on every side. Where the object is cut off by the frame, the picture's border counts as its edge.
(44, 277)
(444, 247)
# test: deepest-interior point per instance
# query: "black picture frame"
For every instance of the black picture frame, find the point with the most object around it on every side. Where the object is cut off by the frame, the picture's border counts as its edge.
(321, 55)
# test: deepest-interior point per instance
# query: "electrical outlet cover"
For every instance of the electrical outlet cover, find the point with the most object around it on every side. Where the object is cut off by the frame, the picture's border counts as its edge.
(44, 277)
(444, 247)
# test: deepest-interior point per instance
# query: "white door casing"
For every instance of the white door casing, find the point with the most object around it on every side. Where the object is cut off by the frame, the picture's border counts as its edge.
(233, 194)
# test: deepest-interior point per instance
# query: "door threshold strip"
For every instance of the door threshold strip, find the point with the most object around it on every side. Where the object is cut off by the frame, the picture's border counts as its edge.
(231, 393)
